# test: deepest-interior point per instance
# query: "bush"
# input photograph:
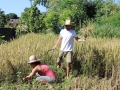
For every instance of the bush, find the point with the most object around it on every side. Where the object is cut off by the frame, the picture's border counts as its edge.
(112, 20)
(1, 39)
(106, 30)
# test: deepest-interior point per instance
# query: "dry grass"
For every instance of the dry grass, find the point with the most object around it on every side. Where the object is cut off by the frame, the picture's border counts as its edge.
(96, 62)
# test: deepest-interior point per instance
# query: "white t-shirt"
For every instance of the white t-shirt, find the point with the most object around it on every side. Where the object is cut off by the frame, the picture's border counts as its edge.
(67, 39)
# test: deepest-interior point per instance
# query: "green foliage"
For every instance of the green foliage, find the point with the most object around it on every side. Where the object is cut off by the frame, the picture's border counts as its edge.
(67, 9)
(42, 2)
(79, 12)
(1, 39)
(106, 31)
(30, 18)
(18, 74)
(52, 3)
(90, 10)
(72, 9)
(21, 29)
(2, 19)
(51, 21)
(5, 18)
(65, 15)
(107, 26)
(112, 20)
(11, 16)
(106, 10)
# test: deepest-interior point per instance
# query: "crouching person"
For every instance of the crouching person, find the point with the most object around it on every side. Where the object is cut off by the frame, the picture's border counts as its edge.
(43, 72)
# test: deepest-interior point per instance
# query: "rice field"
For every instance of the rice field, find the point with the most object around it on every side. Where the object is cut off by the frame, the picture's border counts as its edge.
(96, 63)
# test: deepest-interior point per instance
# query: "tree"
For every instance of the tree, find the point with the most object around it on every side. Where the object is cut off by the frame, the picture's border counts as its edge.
(70, 9)
(42, 2)
(11, 16)
(31, 18)
(31, 2)
(106, 9)
(60, 10)
(51, 21)
(52, 3)
(2, 19)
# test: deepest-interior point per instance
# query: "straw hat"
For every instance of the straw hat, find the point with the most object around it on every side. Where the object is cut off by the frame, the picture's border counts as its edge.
(33, 59)
(68, 22)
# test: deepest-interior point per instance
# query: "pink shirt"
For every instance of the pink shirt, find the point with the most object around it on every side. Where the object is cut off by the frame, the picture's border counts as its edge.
(46, 71)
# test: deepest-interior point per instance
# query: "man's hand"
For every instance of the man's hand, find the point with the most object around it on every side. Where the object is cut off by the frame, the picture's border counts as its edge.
(81, 40)
(54, 48)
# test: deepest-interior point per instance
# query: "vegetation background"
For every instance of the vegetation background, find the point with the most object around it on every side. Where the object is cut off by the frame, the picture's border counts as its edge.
(96, 61)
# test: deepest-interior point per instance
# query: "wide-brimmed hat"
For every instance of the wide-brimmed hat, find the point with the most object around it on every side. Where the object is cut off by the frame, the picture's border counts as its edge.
(68, 22)
(33, 59)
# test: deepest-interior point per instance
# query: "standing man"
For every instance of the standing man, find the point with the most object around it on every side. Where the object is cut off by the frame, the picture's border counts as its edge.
(66, 38)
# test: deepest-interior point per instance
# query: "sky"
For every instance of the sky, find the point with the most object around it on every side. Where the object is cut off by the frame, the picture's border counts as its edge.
(17, 6)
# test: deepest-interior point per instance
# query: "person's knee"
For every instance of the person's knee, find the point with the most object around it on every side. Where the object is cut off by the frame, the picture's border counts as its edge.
(68, 64)
(59, 59)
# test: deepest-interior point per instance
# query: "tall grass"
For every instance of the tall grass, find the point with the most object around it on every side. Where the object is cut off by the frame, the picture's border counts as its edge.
(14, 55)
(95, 62)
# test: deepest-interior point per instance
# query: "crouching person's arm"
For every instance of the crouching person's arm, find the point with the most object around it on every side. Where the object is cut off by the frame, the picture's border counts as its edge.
(31, 74)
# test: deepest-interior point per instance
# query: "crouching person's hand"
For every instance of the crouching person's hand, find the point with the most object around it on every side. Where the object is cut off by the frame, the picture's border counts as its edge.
(26, 78)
